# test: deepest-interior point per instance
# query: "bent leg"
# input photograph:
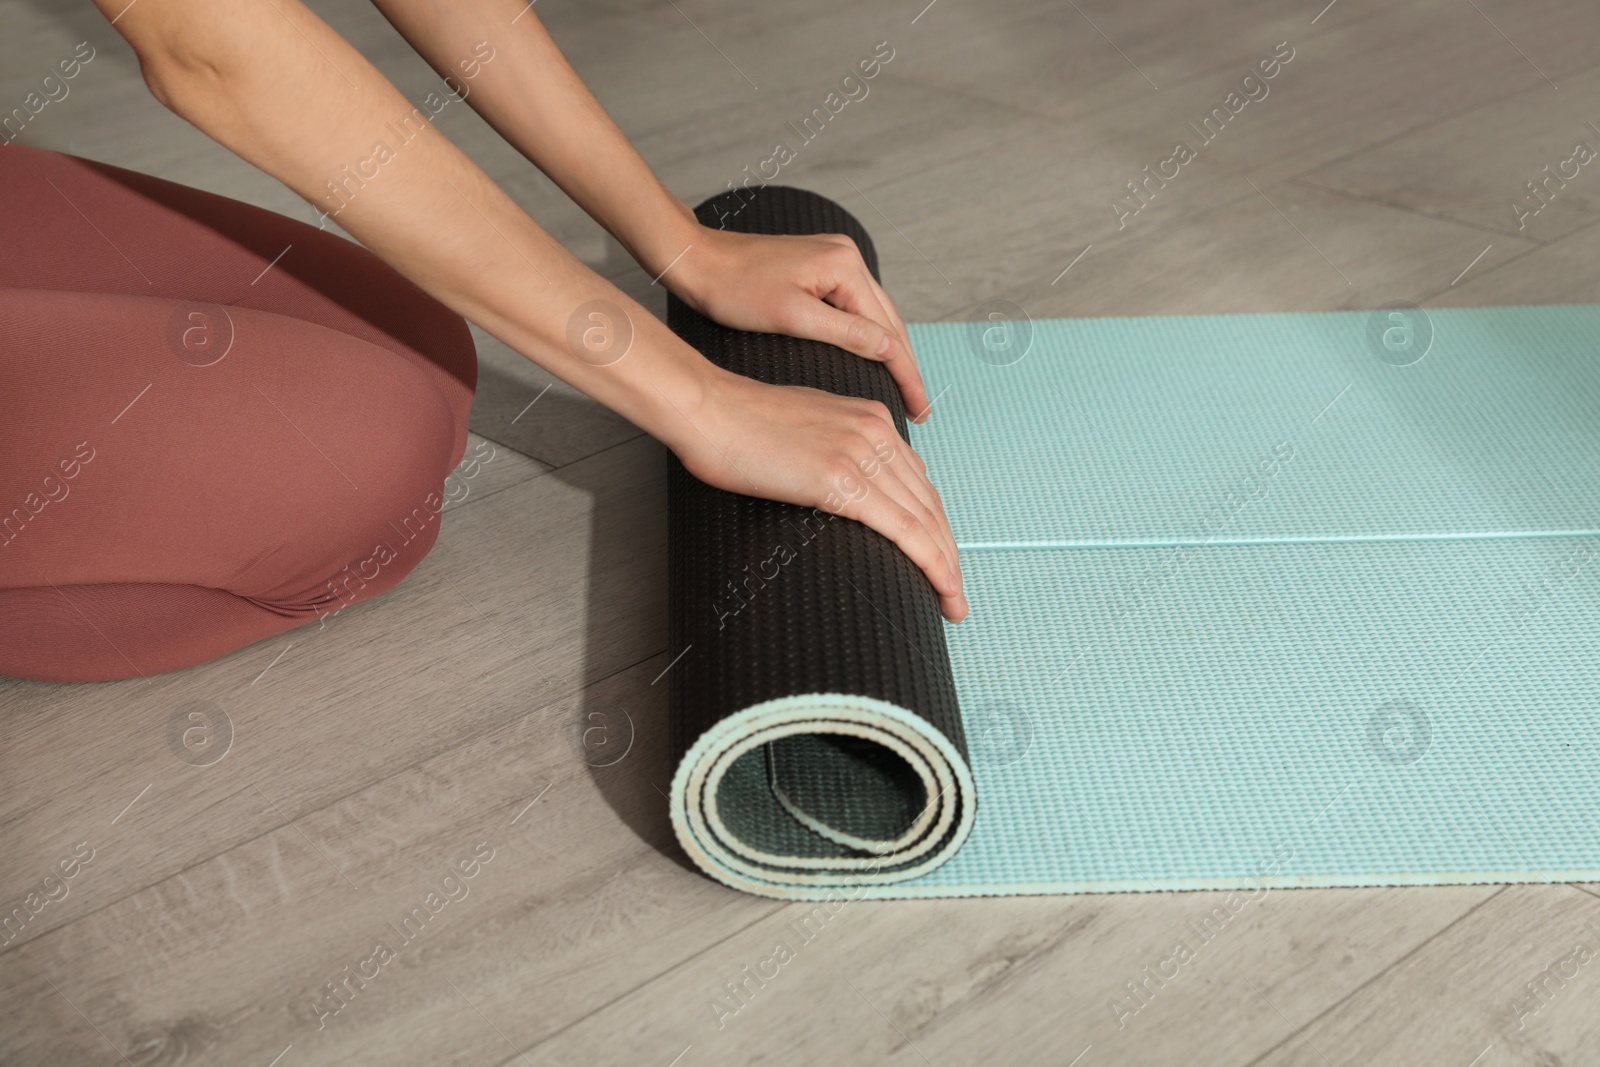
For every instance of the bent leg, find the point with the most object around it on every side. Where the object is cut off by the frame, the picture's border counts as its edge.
(96, 633)
(216, 423)
(157, 511)
(76, 225)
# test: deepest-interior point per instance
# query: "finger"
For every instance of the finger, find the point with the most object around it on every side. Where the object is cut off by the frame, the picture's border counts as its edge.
(892, 473)
(913, 537)
(904, 469)
(930, 498)
(932, 512)
(894, 313)
(852, 331)
(902, 495)
(917, 412)
(891, 451)
(870, 339)
(887, 480)
(853, 296)
(895, 321)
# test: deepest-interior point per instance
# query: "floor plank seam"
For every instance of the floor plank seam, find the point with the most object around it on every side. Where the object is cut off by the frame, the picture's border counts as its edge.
(1583, 888)
(1410, 209)
(1067, 119)
(1418, 947)
(496, 492)
(769, 913)
(1490, 271)
(473, 739)
(551, 468)
(1437, 120)
(601, 452)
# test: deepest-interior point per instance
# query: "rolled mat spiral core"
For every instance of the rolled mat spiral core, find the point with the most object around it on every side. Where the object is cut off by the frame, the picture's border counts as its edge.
(814, 719)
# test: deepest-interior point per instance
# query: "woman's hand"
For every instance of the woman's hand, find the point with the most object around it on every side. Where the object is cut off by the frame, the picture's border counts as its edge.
(816, 287)
(818, 449)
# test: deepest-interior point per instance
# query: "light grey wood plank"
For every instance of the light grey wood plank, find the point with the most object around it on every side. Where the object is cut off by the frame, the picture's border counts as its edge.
(1025, 980)
(1324, 252)
(486, 469)
(578, 903)
(1501, 986)
(1078, 62)
(1048, 191)
(1360, 82)
(997, 213)
(898, 127)
(1555, 36)
(1565, 271)
(1101, 55)
(1475, 166)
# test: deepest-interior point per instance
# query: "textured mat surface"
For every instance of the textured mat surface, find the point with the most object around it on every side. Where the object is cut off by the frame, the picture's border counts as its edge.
(813, 711)
(1258, 600)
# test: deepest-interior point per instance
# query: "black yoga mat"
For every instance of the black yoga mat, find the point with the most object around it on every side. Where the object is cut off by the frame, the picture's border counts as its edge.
(814, 718)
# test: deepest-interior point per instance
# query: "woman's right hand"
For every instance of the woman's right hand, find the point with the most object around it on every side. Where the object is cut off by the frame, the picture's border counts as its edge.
(818, 449)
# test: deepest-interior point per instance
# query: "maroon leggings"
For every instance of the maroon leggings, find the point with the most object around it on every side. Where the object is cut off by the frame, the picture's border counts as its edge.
(216, 423)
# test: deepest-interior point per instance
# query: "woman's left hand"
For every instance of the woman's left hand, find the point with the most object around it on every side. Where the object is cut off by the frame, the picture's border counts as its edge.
(815, 287)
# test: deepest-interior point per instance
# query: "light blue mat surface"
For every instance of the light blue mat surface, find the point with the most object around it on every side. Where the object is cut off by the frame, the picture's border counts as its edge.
(1268, 600)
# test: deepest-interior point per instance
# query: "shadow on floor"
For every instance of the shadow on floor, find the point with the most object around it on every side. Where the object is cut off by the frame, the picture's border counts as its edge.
(618, 728)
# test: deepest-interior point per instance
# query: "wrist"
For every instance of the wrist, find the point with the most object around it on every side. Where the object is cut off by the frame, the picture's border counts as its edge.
(660, 248)
(681, 399)
(704, 270)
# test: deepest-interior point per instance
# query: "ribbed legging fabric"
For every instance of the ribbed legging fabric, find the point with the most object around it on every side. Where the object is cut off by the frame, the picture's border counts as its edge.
(216, 423)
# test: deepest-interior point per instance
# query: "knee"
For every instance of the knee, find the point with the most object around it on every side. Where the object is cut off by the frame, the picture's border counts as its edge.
(394, 446)
(393, 522)
(435, 339)
(444, 341)
(396, 551)
(450, 344)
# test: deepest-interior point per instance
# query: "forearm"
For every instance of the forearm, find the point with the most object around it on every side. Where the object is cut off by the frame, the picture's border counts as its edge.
(276, 85)
(532, 97)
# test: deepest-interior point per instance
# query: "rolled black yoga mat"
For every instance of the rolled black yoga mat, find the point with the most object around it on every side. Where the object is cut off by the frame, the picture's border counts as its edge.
(815, 726)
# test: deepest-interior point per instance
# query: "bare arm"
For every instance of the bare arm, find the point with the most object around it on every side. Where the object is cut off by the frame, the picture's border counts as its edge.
(534, 99)
(275, 84)
(809, 287)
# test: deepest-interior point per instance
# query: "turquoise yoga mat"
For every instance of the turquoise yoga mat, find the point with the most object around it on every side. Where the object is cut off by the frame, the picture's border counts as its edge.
(1272, 600)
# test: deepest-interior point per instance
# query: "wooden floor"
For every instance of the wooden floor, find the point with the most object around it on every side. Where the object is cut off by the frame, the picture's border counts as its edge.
(369, 756)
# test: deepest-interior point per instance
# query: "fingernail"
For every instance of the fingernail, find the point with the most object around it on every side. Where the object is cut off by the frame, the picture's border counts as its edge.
(885, 344)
